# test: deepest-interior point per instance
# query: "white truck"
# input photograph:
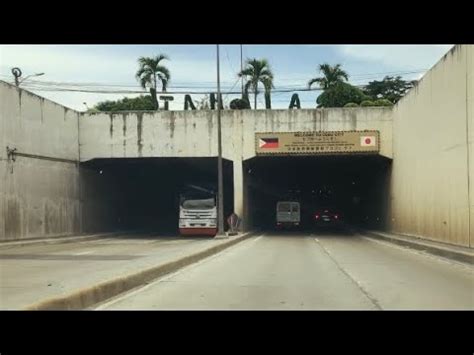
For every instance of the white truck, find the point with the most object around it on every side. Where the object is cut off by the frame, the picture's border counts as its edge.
(198, 211)
(288, 214)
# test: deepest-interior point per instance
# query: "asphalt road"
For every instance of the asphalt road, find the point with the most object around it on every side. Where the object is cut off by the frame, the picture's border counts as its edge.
(317, 271)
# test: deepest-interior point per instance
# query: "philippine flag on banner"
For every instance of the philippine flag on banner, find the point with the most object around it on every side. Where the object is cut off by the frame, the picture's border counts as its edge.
(268, 143)
(367, 141)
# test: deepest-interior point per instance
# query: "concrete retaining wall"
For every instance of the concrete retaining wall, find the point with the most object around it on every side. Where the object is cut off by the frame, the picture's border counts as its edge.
(38, 197)
(430, 193)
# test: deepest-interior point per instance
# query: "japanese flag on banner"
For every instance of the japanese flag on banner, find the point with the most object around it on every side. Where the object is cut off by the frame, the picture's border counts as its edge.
(367, 141)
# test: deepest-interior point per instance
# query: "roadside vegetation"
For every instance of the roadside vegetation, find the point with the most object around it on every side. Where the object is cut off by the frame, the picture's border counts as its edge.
(333, 81)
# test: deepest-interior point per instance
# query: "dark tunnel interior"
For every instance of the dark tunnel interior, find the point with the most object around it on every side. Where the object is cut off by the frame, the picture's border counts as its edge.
(143, 194)
(356, 186)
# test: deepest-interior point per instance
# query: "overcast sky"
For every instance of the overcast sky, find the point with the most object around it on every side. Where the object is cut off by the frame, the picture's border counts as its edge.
(193, 67)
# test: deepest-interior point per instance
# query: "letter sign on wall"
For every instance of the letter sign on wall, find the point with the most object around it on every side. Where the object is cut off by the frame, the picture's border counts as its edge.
(317, 143)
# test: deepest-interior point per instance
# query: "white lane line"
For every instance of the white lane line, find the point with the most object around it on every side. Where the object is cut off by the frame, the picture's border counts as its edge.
(131, 293)
(358, 284)
(84, 252)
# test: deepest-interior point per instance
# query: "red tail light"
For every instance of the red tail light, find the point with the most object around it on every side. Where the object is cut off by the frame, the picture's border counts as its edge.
(316, 216)
(336, 216)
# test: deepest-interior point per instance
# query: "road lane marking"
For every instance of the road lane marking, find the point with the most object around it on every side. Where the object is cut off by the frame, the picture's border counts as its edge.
(165, 278)
(371, 298)
(84, 252)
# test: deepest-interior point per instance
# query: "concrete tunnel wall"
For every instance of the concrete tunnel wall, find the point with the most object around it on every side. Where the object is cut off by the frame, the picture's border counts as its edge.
(432, 173)
(194, 134)
(51, 197)
(38, 197)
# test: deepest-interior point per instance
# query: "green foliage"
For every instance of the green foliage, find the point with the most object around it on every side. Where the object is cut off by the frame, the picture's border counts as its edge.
(332, 75)
(340, 94)
(367, 103)
(383, 102)
(150, 72)
(351, 104)
(239, 104)
(127, 104)
(390, 88)
(258, 71)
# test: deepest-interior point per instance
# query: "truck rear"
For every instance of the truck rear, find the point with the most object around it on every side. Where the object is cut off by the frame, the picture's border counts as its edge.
(288, 214)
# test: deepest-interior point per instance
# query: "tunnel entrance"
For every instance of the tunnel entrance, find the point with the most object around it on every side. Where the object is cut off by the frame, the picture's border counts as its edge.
(356, 186)
(142, 194)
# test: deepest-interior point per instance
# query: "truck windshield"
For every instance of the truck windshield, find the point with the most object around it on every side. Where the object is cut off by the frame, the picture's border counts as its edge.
(284, 207)
(199, 204)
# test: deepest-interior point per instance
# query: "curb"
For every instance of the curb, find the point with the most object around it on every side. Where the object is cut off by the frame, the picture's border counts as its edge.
(87, 297)
(57, 240)
(440, 251)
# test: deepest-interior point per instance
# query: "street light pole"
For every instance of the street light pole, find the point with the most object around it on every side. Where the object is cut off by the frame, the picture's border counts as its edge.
(242, 68)
(17, 75)
(220, 179)
(29, 76)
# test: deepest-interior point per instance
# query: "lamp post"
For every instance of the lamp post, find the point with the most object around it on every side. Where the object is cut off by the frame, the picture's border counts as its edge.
(220, 179)
(30, 76)
(17, 75)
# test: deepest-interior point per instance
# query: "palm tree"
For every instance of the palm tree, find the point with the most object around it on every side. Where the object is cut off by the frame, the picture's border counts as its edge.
(331, 75)
(257, 71)
(268, 85)
(150, 72)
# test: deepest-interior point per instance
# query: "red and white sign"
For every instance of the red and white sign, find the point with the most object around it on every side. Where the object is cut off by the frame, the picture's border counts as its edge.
(368, 141)
(268, 143)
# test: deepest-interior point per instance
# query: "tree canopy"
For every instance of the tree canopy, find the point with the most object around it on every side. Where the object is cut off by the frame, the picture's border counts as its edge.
(332, 75)
(258, 71)
(150, 72)
(140, 103)
(390, 88)
(340, 94)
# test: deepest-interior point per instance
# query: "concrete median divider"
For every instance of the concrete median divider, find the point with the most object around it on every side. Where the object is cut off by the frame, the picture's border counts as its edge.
(89, 296)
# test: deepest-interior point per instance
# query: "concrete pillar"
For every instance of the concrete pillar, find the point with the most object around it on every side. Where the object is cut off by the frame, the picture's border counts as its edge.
(240, 198)
(238, 188)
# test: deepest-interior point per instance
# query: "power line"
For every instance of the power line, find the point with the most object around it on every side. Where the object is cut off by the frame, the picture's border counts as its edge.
(201, 84)
(225, 97)
(105, 91)
(146, 92)
(103, 88)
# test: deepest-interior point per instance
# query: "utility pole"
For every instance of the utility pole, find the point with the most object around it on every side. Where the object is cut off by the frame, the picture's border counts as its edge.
(220, 179)
(242, 68)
